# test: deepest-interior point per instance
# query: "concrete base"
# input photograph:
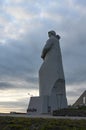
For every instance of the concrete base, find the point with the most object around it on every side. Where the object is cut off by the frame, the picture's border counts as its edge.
(38, 105)
(46, 104)
(34, 105)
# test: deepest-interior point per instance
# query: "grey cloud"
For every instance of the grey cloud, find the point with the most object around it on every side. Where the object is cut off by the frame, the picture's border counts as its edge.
(74, 63)
(17, 58)
(19, 84)
(75, 92)
(5, 85)
(79, 2)
(33, 79)
(2, 3)
(14, 104)
(17, 106)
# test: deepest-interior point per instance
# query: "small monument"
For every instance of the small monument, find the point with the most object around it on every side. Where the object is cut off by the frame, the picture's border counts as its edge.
(51, 80)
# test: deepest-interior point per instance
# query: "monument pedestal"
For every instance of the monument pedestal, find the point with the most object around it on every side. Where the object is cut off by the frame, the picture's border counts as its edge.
(35, 106)
(46, 104)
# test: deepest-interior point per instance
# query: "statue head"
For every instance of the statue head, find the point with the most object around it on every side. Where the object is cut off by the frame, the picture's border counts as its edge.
(50, 33)
(58, 37)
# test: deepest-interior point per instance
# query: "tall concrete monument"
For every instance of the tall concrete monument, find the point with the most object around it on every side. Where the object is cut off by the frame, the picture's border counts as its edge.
(52, 93)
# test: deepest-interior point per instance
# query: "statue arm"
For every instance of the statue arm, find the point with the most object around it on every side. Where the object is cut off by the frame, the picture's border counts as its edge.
(44, 52)
(46, 48)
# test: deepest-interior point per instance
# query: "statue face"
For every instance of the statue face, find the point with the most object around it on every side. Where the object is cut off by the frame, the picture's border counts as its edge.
(49, 34)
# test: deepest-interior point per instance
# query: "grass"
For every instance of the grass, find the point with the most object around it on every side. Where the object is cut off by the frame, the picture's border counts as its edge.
(17, 123)
(80, 111)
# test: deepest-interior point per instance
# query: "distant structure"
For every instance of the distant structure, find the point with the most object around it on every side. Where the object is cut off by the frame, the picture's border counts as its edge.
(81, 101)
(51, 80)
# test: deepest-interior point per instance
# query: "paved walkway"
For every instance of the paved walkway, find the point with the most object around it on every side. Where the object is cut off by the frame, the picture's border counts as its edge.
(42, 116)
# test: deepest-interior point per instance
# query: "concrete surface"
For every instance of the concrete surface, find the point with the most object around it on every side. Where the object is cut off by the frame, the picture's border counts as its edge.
(42, 116)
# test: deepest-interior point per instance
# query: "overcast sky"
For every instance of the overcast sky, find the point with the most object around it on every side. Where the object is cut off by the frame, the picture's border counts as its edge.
(23, 32)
